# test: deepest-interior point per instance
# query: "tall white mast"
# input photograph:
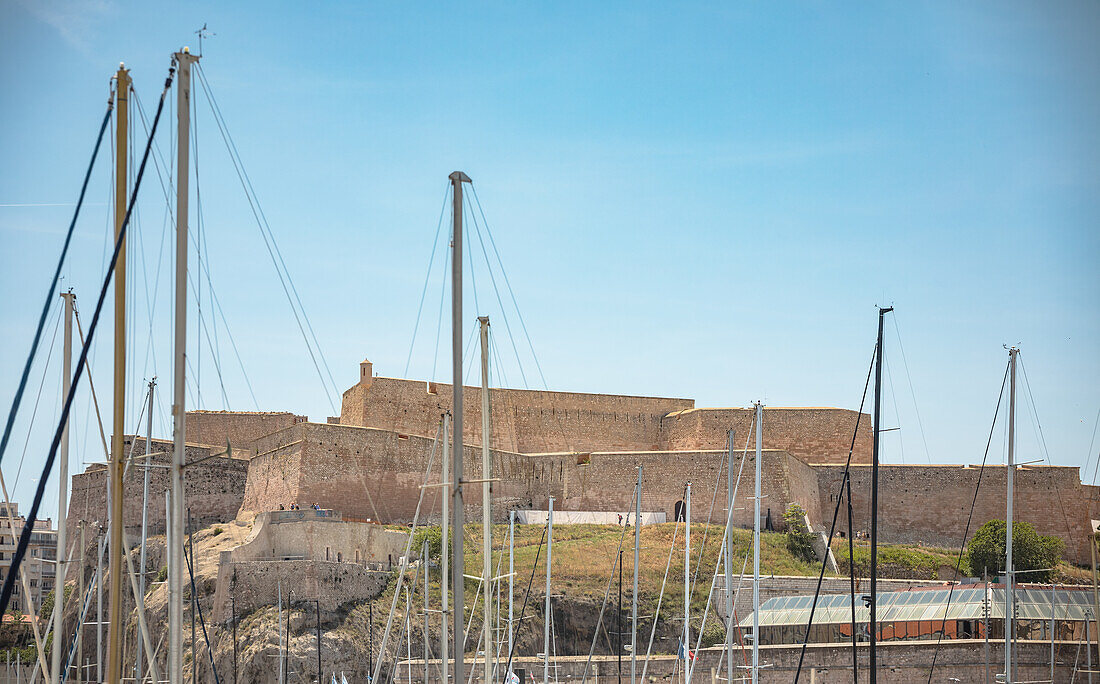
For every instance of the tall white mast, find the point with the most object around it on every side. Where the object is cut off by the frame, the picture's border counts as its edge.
(511, 578)
(183, 59)
(1010, 574)
(756, 550)
(634, 599)
(457, 179)
(61, 565)
(486, 500)
(445, 545)
(546, 608)
(728, 560)
(144, 523)
(687, 585)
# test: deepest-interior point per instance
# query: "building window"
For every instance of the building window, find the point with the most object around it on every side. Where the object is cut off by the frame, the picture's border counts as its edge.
(326, 553)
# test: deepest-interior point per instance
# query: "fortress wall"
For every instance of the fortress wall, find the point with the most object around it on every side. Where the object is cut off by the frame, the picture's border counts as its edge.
(930, 504)
(816, 435)
(524, 421)
(367, 473)
(252, 584)
(213, 489)
(1092, 495)
(238, 428)
(606, 483)
(274, 471)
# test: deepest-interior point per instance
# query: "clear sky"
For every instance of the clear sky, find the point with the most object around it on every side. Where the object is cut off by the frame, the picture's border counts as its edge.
(694, 200)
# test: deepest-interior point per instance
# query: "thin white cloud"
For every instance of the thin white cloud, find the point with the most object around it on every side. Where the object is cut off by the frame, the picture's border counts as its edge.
(74, 20)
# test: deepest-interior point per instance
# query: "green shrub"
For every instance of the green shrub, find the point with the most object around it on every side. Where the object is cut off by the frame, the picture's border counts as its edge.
(1030, 551)
(799, 539)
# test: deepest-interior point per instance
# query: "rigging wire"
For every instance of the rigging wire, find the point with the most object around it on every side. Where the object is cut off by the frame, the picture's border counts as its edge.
(618, 556)
(912, 391)
(969, 520)
(508, 284)
(271, 244)
(1092, 443)
(1043, 442)
(660, 599)
(844, 481)
(32, 514)
(427, 277)
(38, 397)
(204, 269)
(17, 400)
(496, 290)
(526, 596)
(897, 413)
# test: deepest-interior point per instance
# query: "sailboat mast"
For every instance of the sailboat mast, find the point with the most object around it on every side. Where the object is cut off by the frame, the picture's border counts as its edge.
(756, 548)
(486, 500)
(183, 60)
(511, 578)
(445, 546)
(687, 585)
(114, 560)
(62, 498)
(457, 179)
(874, 497)
(144, 521)
(728, 566)
(546, 608)
(634, 595)
(1010, 574)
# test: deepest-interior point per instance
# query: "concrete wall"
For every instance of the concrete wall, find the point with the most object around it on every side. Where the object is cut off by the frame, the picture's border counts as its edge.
(255, 583)
(525, 421)
(930, 504)
(321, 536)
(818, 435)
(239, 428)
(899, 663)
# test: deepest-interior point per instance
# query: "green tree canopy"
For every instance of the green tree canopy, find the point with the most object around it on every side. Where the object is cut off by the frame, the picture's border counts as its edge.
(1030, 550)
(799, 539)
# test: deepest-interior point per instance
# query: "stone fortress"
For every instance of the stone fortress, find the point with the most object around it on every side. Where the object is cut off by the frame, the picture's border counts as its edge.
(368, 464)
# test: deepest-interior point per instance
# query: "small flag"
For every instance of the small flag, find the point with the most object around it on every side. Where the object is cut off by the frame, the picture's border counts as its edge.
(512, 678)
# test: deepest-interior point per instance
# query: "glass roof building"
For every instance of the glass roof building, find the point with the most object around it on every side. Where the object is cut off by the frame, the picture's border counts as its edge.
(966, 612)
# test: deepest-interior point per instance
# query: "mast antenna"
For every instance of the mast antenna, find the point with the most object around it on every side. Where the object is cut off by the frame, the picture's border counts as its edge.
(203, 33)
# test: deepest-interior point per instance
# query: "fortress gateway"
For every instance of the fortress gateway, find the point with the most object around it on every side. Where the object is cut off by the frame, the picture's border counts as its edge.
(582, 449)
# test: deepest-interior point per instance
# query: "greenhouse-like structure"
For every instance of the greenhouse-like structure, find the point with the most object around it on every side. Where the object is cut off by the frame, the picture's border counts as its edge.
(964, 612)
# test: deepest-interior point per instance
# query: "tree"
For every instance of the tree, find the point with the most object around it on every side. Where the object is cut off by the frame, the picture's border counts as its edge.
(1030, 550)
(800, 542)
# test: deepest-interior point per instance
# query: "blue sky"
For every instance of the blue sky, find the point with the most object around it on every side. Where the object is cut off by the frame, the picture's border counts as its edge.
(699, 200)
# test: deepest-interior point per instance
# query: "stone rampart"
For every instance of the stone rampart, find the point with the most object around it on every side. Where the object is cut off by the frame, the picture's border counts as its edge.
(817, 435)
(213, 488)
(370, 474)
(605, 481)
(255, 583)
(238, 428)
(930, 504)
(524, 421)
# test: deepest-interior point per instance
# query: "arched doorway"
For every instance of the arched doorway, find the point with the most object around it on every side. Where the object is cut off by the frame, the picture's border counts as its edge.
(678, 511)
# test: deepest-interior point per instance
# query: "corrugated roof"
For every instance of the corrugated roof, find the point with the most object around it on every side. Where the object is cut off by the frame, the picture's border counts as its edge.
(912, 606)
